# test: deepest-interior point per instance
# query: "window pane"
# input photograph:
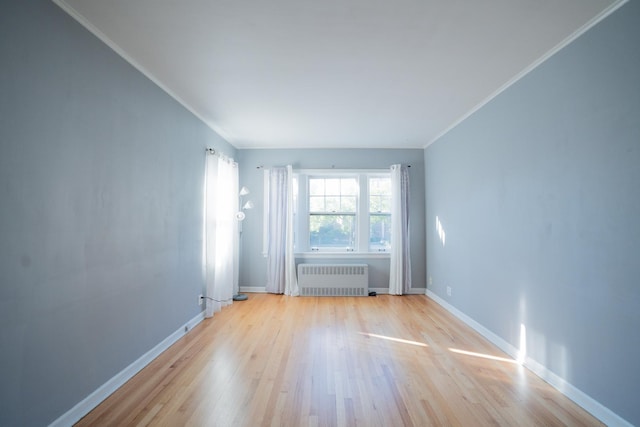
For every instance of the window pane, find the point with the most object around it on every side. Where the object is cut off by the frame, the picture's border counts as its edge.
(380, 204)
(380, 185)
(349, 187)
(332, 204)
(332, 187)
(374, 186)
(385, 203)
(316, 186)
(348, 204)
(379, 232)
(316, 204)
(331, 230)
(333, 195)
(375, 204)
(380, 194)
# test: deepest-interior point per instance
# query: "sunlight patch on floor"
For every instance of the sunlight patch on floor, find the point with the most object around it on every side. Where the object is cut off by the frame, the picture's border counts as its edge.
(400, 340)
(481, 355)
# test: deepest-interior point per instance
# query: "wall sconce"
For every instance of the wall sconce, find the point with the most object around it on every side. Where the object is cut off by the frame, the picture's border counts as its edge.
(247, 205)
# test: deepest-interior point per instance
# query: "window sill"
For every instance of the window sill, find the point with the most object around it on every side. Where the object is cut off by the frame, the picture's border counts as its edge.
(335, 255)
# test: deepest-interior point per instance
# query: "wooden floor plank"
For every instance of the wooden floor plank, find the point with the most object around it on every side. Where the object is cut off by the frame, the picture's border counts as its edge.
(335, 361)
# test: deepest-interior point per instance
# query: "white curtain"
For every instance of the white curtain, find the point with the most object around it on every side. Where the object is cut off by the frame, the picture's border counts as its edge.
(400, 268)
(281, 268)
(221, 232)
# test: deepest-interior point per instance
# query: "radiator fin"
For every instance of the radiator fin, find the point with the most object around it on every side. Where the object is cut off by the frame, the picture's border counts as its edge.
(333, 279)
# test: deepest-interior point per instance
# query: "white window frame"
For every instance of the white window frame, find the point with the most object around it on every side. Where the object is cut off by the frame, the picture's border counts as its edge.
(386, 174)
(361, 247)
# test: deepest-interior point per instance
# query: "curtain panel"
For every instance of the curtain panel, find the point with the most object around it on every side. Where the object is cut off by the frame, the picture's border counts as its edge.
(281, 269)
(400, 262)
(221, 232)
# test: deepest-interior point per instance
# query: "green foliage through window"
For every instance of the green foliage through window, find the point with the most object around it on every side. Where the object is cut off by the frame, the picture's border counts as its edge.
(332, 230)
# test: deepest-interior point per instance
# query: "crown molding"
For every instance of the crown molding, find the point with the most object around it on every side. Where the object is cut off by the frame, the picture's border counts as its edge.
(580, 31)
(117, 49)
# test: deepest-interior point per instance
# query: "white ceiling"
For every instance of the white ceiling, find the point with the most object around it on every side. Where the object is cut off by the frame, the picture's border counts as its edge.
(335, 73)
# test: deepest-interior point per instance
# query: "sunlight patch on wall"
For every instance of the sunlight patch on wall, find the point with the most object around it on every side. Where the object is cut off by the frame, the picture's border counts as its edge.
(441, 234)
(522, 353)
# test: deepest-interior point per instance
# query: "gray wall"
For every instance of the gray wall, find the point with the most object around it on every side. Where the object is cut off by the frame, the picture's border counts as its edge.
(253, 264)
(101, 179)
(539, 196)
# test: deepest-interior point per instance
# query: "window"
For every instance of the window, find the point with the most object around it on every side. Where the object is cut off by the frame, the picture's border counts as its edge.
(333, 206)
(380, 213)
(342, 211)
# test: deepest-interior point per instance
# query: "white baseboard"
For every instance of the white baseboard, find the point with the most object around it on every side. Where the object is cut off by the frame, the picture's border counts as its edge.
(253, 289)
(495, 339)
(94, 399)
(589, 404)
(385, 291)
(379, 291)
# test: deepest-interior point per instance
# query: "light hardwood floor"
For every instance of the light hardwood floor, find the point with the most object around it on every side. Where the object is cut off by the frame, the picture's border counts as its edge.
(370, 361)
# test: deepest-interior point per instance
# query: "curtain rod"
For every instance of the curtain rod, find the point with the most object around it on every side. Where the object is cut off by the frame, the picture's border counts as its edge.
(221, 155)
(332, 167)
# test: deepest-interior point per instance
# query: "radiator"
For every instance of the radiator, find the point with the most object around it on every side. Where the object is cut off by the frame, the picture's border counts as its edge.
(333, 279)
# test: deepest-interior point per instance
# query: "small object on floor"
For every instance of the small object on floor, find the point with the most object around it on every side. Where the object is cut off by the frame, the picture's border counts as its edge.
(240, 297)
(372, 294)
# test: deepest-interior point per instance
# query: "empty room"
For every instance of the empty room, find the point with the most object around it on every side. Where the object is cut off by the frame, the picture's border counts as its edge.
(340, 213)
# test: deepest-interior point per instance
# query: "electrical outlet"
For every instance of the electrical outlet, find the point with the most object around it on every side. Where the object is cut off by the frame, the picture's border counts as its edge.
(200, 299)
(449, 290)
(430, 280)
